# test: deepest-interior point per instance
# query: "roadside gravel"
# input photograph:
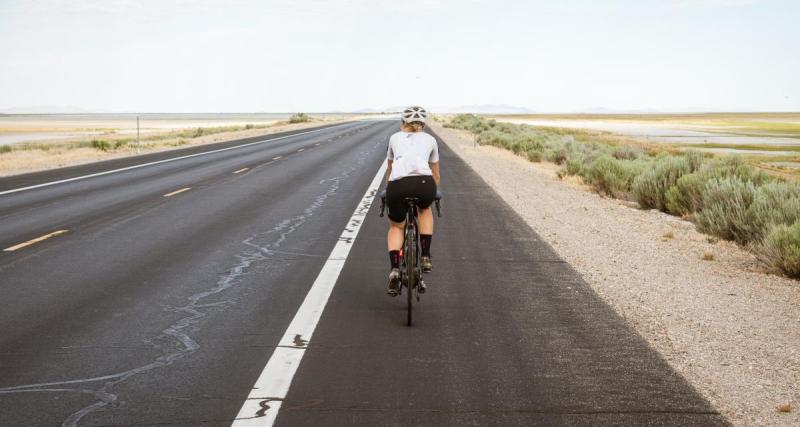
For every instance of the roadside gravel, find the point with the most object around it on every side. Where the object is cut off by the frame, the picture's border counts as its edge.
(730, 328)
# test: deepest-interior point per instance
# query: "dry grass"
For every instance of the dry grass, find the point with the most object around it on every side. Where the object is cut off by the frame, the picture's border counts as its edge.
(708, 256)
(785, 407)
(669, 235)
(42, 156)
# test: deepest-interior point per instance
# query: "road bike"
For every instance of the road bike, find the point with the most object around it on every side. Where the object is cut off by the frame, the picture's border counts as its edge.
(410, 270)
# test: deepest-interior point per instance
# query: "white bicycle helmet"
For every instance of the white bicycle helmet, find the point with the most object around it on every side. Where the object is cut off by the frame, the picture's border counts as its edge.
(415, 114)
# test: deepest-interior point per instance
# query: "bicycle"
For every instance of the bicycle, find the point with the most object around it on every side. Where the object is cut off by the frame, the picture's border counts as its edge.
(410, 270)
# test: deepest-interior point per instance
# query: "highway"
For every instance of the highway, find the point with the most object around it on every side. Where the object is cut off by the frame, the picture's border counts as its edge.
(183, 288)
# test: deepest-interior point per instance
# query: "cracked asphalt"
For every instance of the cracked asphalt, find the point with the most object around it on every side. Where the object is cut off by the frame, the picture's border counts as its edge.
(153, 310)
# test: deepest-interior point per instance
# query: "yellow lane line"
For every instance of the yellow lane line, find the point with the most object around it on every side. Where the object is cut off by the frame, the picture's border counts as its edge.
(276, 158)
(32, 241)
(178, 191)
(241, 170)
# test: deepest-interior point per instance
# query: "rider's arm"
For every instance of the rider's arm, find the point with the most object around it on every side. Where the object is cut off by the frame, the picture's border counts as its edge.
(389, 169)
(435, 170)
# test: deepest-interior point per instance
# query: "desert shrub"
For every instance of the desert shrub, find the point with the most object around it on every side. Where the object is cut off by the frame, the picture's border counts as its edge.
(650, 188)
(686, 196)
(556, 155)
(775, 203)
(725, 205)
(612, 176)
(469, 122)
(534, 156)
(574, 166)
(248, 126)
(199, 132)
(120, 144)
(782, 248)
(101, 144)
(735, 166)
(5, 149)
(627, 152)
(494, 137)
(299, 118)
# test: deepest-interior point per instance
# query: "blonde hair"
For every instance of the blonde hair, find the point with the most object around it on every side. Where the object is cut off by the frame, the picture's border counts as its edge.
(413, 127)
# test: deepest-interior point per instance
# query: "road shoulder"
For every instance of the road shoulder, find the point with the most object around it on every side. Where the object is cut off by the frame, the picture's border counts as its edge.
(726, 326)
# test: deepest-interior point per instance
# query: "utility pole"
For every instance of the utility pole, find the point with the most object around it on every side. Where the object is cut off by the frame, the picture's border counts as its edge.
(137, 135)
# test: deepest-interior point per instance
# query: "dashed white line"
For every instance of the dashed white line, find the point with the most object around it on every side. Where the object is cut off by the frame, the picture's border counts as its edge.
(277, 157)
(265, 398)
(300, 150)
(241, 170)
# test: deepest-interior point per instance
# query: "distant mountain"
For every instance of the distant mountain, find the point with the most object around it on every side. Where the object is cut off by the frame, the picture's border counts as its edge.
(475, 109)
(484, 109)
(47, 109)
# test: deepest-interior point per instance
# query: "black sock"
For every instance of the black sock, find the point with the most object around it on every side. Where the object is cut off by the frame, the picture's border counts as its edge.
(394, 258)
(425, 242)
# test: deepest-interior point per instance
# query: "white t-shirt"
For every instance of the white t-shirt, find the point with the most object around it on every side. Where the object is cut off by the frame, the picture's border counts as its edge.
(411, 152)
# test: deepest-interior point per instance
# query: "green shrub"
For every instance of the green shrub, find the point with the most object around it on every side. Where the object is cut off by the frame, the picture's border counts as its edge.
(198, 132)
(725, 205)
(775, 203)
(101, 144)
(120, 144)
(735, 166)
(534, 156)
(627, 152)
(248, 126)
(556, 155)
(686, 196)
(612, 176)
(650, 188)
(782, 248)
(299, 118)
(5, 149)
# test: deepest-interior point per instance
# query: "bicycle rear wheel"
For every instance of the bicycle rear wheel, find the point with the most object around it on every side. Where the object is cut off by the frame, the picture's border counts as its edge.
(410, 256)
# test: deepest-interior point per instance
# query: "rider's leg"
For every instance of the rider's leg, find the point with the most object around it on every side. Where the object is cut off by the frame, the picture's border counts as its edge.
(425, 220)
(394, 241)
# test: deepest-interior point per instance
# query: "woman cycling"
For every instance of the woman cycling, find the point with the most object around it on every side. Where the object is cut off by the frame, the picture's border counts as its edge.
(413, 169)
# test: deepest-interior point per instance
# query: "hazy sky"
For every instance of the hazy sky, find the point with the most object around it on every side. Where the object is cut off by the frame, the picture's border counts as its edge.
(324, 55)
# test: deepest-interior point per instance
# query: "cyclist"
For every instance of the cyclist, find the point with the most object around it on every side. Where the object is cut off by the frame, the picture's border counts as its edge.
(413, 169)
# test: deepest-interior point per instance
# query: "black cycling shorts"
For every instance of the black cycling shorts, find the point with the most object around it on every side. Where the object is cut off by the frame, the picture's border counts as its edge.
(421, 187)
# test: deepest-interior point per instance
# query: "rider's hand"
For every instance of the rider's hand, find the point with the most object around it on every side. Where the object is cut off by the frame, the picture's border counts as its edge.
(382, 194)
(438, 194)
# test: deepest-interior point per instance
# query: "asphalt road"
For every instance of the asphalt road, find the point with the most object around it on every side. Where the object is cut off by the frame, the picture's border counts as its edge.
(170, 286)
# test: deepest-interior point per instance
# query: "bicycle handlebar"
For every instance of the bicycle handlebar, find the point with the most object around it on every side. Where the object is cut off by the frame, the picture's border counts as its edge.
(437, 201)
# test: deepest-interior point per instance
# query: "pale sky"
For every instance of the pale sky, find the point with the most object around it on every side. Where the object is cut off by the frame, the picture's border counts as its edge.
(343, 55)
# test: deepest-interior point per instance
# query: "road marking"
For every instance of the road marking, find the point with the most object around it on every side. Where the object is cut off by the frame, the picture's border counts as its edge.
(316, 145)
(78, 178)
(32, 241)
(264, 401)
(276, 158)
(241, 170)
(300, 150)
(178, 191)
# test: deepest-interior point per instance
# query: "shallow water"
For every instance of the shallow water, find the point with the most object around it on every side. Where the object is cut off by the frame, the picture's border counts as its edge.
(670, 133)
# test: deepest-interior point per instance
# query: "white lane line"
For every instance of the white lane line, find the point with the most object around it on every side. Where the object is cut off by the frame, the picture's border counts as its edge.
(178, 191)
(32, 241)
(241, 170)
(301, 150)
(316, 145)
(78, 178)
(277, 157)
(264, 401)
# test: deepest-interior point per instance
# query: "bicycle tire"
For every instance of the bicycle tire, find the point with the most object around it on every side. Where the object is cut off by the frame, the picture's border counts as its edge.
(410, 255)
